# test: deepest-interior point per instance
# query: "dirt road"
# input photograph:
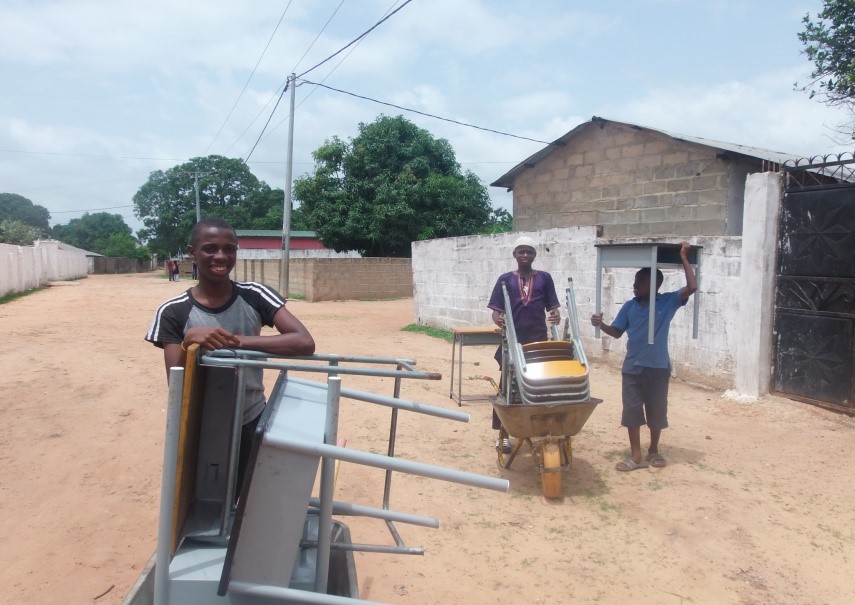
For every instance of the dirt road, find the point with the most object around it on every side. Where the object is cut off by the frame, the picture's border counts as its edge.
(755, 505)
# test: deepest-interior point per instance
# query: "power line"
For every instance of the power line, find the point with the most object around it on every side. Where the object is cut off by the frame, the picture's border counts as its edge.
(90, 209)
(70, 185)
(91, 155)
(323, 29)
(429, 115)
(349, 44)
(284, 85)
(243, 90)
(355, 40)
(258, 115)
(246, 159)
(115, 157)
(329, 73)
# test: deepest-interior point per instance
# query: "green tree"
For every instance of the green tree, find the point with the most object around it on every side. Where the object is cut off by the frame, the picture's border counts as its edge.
(501, 221)
(123, 245)
(829, 42)
(166, 203)
(92, 231)
(273, 218)
(16, 207)
(18, 233)
(392, 184)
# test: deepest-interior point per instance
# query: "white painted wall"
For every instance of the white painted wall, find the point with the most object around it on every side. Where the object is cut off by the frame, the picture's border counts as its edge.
(453, 279)
(760, 244)
(23, 268)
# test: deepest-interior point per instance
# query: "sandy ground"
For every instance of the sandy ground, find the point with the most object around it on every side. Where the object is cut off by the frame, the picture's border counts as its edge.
(755, 505)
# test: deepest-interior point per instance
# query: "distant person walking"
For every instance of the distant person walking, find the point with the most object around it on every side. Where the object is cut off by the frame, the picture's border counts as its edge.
(175, 271)
(170, 268)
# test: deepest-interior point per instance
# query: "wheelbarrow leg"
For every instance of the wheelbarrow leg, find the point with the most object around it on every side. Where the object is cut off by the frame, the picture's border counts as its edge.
(566, 451)
(516, 450)
(503, 434)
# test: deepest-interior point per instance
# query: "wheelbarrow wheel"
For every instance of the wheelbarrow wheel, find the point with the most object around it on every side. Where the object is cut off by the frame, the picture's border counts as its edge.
(550, 474)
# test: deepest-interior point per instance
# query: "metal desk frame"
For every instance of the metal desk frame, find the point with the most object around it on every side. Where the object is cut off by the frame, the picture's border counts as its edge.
(653, 255)
(483, 335)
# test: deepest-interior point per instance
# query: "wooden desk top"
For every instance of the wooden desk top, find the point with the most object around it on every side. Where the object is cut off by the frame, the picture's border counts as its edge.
(477, 330)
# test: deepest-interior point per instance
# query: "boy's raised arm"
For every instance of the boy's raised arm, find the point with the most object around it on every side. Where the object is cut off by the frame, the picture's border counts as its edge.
(691, 282)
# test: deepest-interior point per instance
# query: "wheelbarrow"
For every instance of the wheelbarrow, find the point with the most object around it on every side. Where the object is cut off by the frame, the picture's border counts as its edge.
(547, 429)
(544, 399)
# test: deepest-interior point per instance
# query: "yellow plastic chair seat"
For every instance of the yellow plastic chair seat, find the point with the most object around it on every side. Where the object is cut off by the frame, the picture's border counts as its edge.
(555, 369)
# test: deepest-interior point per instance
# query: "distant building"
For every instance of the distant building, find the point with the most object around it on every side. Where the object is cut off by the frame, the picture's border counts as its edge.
(92, 258)
(270, 239)
(635, 181)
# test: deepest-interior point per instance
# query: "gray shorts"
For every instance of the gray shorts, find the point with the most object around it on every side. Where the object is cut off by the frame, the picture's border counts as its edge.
(646, 392)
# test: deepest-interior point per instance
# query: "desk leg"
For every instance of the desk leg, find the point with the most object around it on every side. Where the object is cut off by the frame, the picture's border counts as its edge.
(460, 375)
(453, 350)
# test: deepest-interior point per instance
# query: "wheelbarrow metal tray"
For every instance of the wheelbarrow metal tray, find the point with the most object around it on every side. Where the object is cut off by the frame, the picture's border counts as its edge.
(545, 419)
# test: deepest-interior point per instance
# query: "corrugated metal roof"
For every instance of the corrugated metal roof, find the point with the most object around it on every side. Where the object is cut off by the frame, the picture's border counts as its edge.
(70, 248)
(777, 157)
(272, 233)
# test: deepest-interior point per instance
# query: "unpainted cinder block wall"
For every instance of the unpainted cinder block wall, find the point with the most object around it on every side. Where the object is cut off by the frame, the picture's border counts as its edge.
(634, 183)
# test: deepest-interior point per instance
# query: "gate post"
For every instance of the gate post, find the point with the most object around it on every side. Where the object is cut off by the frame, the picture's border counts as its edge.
(757, 282)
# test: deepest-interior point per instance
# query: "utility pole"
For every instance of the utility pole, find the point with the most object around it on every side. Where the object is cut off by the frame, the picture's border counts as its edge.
(286, 209)
(196, 176)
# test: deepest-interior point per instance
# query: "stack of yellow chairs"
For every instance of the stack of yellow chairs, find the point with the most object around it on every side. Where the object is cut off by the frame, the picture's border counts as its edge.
(552, 371)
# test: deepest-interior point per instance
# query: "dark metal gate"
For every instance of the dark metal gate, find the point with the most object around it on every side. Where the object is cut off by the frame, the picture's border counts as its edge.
(814, 334)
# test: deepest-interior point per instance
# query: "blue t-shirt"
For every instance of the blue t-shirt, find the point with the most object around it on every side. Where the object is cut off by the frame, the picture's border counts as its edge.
(633, 319)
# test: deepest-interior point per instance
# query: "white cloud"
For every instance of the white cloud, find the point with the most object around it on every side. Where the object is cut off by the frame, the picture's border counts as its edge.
(157, 79)
(762, 112)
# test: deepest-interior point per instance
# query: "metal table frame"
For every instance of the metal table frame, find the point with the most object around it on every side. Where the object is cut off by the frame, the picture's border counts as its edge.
(481, 335)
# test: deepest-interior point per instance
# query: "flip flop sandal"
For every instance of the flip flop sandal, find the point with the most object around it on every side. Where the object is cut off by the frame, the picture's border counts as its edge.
(656, 460)
(628, 464)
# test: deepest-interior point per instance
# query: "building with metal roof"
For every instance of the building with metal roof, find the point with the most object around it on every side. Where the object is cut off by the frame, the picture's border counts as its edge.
(636, 181)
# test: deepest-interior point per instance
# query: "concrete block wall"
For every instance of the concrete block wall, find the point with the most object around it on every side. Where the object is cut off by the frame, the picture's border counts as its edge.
(320, 279)
(24, 268)
(635, 183)
(358, 278)
(276, 254)
(266, 271)
(120, 264)
(453, 278)
(711, 358)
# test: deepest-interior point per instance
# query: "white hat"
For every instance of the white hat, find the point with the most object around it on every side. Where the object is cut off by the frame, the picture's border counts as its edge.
(524, 241)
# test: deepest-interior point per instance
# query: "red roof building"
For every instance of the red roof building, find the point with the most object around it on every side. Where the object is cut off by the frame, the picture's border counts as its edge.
(262, 239)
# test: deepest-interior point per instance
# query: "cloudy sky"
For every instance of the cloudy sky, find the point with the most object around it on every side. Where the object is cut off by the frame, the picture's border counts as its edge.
(96, 94)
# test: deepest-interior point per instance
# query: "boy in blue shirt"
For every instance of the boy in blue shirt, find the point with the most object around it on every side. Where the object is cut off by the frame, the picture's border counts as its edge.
(646, 369)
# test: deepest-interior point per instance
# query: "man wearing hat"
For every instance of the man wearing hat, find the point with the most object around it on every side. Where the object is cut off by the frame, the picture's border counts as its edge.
(533, 298)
